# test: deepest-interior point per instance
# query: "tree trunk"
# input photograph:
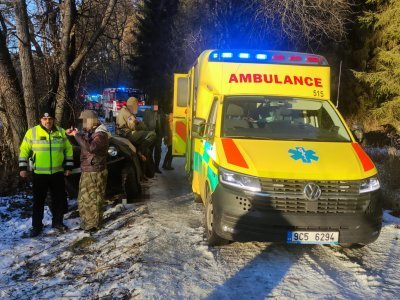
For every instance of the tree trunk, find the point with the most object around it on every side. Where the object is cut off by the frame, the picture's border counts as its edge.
(25, 56)
(62, 95)
(63, 80)
(12, 105)
(6, 139)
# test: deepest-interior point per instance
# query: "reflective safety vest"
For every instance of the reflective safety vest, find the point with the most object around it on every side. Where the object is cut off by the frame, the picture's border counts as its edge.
(51, 152)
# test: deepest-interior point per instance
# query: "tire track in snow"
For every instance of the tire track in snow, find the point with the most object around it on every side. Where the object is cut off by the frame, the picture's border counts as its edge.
(381, 263)
(352, 279)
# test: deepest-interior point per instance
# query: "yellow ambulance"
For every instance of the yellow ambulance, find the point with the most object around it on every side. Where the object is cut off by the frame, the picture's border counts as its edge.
(269, 154)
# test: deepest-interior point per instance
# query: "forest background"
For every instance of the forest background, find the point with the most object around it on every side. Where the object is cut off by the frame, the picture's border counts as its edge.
(53, 51)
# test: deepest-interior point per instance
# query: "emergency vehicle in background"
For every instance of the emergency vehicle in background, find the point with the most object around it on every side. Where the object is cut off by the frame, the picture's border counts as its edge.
(115, 98)
(94, 102)
(269, 154)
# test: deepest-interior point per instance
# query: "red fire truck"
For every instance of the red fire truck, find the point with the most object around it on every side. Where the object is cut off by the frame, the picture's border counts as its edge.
(115, 98)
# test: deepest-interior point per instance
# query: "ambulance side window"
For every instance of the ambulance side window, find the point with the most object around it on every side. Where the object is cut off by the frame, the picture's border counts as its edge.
(210, 126)
(183, 86)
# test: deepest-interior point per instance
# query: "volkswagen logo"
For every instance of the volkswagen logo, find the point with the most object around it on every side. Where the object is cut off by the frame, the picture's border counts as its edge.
(312, 191)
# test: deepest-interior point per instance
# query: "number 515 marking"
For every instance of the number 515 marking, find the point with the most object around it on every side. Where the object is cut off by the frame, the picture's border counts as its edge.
(318, 93)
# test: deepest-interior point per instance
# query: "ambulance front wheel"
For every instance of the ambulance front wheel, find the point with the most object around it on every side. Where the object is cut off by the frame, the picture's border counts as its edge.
(197, 198)
(213, 239)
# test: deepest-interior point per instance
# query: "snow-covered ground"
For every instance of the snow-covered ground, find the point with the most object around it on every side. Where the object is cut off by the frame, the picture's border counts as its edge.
(155, 250)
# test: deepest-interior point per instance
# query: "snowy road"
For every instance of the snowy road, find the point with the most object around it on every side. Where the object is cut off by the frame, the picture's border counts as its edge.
(155, 250)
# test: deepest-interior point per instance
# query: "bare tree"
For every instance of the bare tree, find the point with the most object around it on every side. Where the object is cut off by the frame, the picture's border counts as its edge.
(12, 106)
(305, 21)
(70, 67)
(26, 60)
(57, 27)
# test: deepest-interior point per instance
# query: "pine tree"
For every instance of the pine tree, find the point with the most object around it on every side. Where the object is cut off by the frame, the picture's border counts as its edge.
(381, 74)
(152, 65)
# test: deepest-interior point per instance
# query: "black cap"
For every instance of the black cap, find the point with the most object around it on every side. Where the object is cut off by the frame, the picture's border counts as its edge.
(46, 112)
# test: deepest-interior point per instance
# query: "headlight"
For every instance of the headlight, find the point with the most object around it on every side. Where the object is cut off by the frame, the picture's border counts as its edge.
(112, 151)
(241, 181)
(369, 185)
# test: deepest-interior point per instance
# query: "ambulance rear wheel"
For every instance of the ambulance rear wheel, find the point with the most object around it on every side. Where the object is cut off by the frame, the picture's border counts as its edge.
(213, 239)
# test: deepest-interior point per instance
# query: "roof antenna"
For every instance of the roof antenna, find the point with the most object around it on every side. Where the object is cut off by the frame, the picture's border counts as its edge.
(338, 88)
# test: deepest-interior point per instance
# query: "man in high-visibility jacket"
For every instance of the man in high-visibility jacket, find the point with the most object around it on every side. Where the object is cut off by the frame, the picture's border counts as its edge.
(48, 146)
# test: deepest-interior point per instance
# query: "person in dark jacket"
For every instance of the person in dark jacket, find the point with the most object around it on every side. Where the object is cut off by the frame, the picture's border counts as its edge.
(168, 142)
(154, 121)
(92, 186)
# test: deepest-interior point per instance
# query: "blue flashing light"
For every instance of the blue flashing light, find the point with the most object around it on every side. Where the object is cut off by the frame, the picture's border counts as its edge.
(261, 56)
(266, 56)
(227, 55)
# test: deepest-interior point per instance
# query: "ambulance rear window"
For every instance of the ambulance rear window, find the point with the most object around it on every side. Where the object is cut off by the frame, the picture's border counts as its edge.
(282, 118)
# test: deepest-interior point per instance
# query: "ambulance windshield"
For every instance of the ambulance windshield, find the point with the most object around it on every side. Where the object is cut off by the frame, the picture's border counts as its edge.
(282, 118)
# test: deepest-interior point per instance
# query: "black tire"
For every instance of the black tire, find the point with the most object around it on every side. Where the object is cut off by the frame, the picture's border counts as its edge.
(213, 239)
(197, 198)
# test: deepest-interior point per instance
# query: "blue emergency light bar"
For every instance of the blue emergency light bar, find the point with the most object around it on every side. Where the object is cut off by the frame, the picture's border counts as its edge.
(267, 56)
(227, 54)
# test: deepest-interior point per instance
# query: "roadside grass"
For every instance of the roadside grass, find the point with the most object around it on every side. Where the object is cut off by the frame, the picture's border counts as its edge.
(387, 161)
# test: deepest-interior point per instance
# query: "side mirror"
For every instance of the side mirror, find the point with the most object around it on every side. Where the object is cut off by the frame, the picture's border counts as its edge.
(198, 126)
(358, 132)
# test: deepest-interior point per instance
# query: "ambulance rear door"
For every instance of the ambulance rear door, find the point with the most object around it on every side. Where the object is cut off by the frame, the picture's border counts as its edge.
(181, 98)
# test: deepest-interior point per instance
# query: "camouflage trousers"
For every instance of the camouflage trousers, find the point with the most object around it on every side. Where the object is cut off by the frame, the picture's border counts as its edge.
(92, 190)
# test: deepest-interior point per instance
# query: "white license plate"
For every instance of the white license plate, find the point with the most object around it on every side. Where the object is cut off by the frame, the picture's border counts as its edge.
(313, 237)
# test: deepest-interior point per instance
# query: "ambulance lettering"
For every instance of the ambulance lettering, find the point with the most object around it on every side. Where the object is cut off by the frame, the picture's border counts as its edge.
(276, 79)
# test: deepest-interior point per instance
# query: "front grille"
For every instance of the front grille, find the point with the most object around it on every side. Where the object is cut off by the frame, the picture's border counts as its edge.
(337, 197)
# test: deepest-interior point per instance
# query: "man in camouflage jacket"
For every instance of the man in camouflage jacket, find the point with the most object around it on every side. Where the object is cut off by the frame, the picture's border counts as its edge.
(92, 186)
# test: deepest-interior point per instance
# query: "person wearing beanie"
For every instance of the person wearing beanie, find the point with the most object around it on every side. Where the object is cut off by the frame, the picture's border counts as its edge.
(93, 140)
(137, 133)
(168, 142)
(48, 147)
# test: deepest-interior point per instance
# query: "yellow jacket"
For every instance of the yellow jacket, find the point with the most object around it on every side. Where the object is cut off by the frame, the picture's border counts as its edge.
(49, 150)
